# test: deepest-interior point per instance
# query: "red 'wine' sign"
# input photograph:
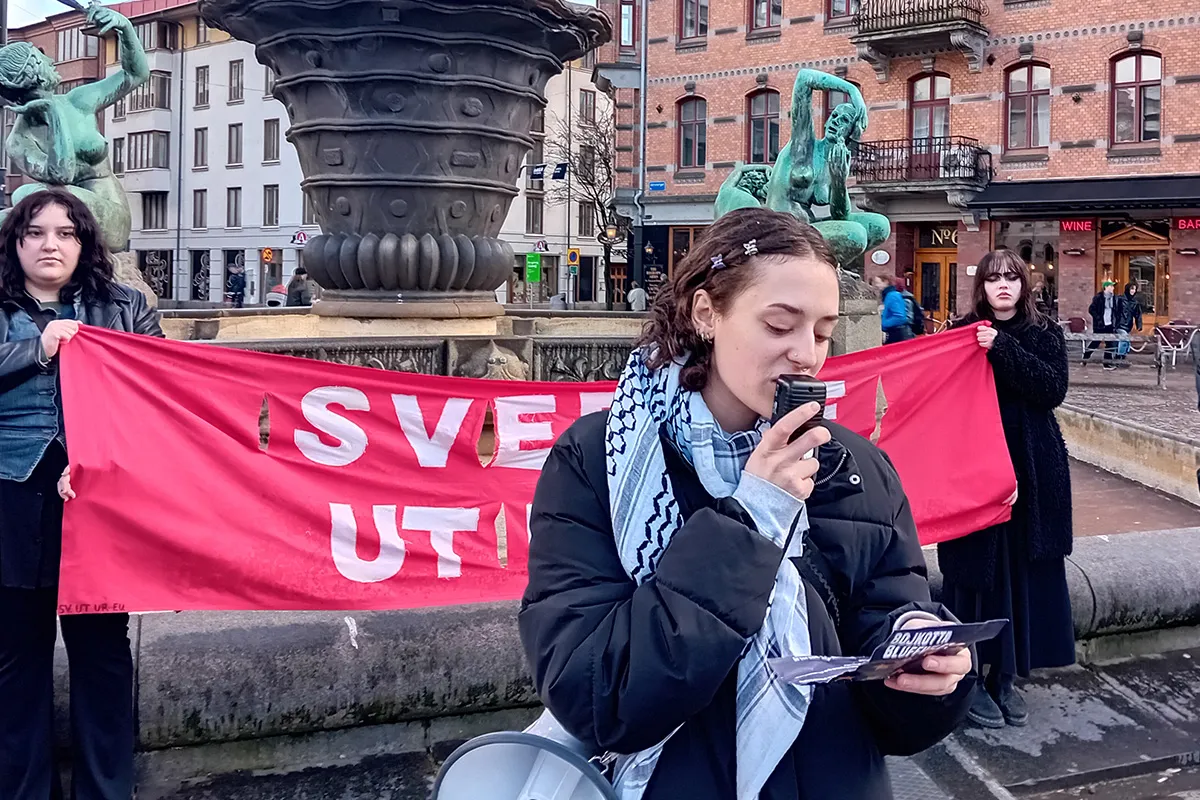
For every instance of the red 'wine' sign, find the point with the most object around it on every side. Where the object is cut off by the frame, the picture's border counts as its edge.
(1083, 225)
(1187, 224)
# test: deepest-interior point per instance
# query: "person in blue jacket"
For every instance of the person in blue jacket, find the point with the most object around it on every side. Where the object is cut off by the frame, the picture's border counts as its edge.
(896, 321)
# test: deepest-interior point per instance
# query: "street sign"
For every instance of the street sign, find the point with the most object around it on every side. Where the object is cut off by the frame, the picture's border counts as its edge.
(573, 269)
(533, 267)
(572, 256)
(300, 238)
(541, 246)
(658, 186)
(268, 255)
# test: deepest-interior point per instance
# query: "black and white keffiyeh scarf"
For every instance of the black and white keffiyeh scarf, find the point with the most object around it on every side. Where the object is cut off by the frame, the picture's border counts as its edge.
(645, 515)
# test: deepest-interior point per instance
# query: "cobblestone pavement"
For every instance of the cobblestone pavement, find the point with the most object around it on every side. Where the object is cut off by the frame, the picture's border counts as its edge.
(1131, 394)
(1104, 503)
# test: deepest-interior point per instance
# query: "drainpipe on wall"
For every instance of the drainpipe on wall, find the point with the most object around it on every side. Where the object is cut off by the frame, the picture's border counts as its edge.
(639, 235)
(181, 267)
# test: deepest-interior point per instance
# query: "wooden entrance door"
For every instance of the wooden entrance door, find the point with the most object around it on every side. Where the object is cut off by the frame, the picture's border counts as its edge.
(935, 283)
(1136, 255)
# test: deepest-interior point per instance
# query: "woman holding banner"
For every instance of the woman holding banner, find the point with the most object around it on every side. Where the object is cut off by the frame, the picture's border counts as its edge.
(669, 537)
(1017, 570)
(55, 274)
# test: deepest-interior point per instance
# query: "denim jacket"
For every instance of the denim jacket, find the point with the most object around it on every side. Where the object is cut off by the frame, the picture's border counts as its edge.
(30, 399)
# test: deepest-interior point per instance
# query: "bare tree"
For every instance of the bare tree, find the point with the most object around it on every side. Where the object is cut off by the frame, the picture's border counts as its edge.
(589, 149)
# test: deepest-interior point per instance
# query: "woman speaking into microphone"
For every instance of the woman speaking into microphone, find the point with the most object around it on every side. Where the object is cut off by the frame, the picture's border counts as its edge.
(667, 540)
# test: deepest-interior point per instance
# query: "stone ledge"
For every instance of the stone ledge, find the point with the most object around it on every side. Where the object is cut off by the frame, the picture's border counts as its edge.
(1163, 460)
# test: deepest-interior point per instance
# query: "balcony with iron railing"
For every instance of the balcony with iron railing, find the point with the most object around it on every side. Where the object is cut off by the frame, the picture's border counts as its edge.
(901, 166)
(888, 29)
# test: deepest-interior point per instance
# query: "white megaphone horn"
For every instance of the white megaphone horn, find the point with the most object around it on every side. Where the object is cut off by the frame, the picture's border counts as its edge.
(543, 762)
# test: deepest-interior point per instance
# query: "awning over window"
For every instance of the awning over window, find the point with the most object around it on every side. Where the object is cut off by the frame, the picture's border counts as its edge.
(1009, 198)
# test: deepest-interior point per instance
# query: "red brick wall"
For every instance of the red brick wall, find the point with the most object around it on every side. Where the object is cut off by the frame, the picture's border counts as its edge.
(972, 246)
(1077, 274)
(725, 67)
(1184, 297)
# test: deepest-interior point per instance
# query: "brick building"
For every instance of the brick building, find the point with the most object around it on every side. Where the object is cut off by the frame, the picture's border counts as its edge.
(1068, 130)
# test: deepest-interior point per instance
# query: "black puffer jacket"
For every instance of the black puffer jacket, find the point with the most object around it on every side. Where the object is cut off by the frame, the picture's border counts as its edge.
(1030, 365)
(622, 665)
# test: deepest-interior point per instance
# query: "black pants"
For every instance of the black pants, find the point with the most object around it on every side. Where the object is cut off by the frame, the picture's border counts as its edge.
(1107, 345)
(102, 720)
(895, 335)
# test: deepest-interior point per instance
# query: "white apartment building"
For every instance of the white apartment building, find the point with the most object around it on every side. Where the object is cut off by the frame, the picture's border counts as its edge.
(212, 181)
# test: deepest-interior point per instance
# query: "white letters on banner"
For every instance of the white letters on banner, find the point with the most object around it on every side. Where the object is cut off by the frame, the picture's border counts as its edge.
(352, 440)
(440, 523)
(511, 430)
(432, 451)
(344, 542)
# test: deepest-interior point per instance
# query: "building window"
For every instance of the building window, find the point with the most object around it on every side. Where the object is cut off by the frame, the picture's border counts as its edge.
(269, 82)
(154, 211)
(533, 215)
(201, 274)
(118, 156)
(765, 14)
(235, 81)
(270, 206)
(156, 269)
(200, 209)
(1137, 98)
(587, 219)
(587, 105)
(270, 140)
(539, 121)
(693, 142)
(536, 156)
(763, 122)
(200, 148)
(233, 207)
(587, 163)
(1028, 107)
(119, 109)
(201, 87)
(234, 149)
(693, 19)
(72, 45)
(588, 61)
(628, 23)
(154, 93)
(201, 31)
(149, 150)
(310, 212)
(841, 8)
(157, 35)
(930, 103)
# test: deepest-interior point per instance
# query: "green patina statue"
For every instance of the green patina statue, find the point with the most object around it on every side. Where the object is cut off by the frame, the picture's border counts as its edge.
(812, 172)
(55, 140)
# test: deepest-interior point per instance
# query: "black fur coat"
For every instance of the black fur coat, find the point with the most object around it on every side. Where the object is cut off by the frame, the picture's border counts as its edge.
(1030, 365)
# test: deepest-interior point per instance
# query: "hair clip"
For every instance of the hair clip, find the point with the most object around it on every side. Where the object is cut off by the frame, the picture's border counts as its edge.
(751, 247)
(718, 262)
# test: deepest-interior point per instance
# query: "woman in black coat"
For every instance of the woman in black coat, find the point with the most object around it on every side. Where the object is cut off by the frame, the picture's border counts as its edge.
(1017, 570)
(666, 553)
(54, 274)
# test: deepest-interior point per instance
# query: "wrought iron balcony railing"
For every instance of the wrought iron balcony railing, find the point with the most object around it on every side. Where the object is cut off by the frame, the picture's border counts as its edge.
(875, 16)
(947, 159)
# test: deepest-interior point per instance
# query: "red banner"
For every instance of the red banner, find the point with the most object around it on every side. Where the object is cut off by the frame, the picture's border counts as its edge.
(363, 489)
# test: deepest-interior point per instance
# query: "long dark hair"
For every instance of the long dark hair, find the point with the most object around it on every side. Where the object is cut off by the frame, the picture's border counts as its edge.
(93, 276)
(670, 333)
(1004, 262)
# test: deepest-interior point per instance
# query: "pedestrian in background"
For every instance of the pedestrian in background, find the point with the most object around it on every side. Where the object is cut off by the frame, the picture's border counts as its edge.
(665, 530)
(1129, 314)
(299, 291)
(637, 297)
(896, 317)
(55, 273)
(1104, 320)
(1017, 570)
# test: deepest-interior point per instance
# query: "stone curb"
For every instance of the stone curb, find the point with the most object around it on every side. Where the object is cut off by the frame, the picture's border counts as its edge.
(1163, 460)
